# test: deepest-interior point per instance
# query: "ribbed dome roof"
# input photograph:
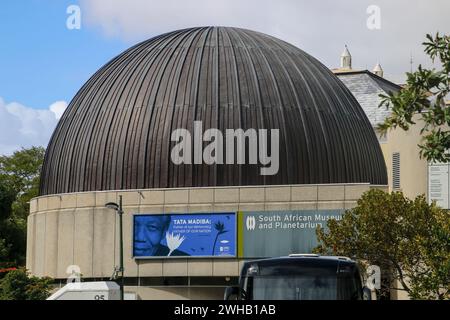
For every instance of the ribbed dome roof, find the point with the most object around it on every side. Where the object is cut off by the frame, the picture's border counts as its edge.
(116, 132)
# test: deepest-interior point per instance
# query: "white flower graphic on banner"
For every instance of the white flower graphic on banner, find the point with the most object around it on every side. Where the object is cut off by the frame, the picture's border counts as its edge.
(174, 241)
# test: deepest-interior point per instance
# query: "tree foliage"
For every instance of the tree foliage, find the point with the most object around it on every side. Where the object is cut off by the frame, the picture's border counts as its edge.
(21, 172)
(19, 183)
(408, 239)
(19, 285)
(423, 98)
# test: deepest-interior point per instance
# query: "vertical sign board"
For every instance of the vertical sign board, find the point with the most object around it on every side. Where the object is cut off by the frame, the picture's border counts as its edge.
(182, 235)
(280, 233)
(438, 184)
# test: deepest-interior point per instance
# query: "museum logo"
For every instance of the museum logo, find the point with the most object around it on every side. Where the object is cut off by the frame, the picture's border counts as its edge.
(236, 146)
(250, 223)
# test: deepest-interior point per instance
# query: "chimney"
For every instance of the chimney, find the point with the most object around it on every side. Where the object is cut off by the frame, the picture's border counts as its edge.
(378, 70)
(346, 59)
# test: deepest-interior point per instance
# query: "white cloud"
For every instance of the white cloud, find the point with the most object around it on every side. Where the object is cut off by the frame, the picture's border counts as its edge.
(321, 28)
(21, 126)
(58, 108)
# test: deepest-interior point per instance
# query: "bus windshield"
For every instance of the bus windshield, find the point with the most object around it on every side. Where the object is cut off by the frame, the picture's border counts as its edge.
(294, 287)
(305, 281)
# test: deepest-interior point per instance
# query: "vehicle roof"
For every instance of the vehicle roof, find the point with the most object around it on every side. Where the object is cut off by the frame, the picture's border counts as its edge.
(322, 260)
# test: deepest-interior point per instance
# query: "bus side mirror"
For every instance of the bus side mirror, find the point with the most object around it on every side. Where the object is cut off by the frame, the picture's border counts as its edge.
(232, 293)
(367, 294)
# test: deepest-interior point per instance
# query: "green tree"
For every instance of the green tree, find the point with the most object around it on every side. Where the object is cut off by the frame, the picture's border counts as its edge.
(4, 250)
(19, 285)
(21, 171)
(19, 183)
(11, 235)
(408, 239)
(7, 197)
(423, 99)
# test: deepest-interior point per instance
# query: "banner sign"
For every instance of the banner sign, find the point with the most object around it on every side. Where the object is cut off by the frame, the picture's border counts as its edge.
(280, 233)
(175, 235)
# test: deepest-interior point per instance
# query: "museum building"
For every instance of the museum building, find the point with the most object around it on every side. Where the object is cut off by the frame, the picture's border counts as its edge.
(154, 126)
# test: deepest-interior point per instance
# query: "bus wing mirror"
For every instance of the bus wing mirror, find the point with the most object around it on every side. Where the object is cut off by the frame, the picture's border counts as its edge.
(367, 294)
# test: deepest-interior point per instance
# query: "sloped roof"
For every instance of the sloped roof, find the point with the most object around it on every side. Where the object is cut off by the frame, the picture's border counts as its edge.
(366, 88)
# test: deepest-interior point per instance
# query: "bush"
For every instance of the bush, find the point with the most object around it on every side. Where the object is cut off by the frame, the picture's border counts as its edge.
(20, 285)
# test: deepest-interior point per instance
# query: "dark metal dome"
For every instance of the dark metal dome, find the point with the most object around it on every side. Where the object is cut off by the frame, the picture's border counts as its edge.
(116, 131)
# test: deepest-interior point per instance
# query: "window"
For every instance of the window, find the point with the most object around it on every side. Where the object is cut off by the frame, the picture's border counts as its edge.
(396, 170)
(295, 287)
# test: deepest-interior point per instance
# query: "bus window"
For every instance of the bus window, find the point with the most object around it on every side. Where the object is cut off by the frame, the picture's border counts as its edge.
(294, 287)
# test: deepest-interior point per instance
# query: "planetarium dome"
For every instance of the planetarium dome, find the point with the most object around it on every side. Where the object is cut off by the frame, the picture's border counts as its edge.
(116, 132)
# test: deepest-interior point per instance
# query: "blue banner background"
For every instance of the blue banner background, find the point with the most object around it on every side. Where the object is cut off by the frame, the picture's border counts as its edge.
(201, 231)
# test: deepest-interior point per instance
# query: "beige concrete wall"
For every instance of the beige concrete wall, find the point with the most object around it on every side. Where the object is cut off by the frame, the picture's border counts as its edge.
(76, 229)
(178, 293)
(413, 170)
(399, 294)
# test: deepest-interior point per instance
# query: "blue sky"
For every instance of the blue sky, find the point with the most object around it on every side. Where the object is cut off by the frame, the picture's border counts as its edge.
(41, 60)
(43, 63)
